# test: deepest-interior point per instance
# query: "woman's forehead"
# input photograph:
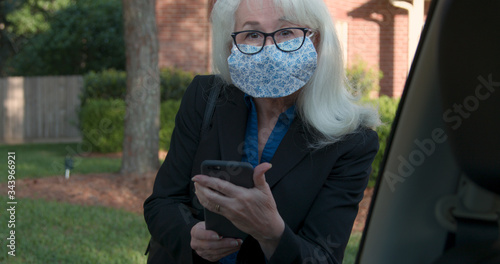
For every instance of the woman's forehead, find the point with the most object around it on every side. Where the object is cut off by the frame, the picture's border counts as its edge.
(256, 9)
(260, 13)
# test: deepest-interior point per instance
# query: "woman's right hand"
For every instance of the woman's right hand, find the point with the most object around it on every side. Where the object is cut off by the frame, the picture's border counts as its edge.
(210, 246)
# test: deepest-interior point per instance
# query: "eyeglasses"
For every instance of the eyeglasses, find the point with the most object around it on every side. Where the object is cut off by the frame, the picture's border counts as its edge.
(251, 42)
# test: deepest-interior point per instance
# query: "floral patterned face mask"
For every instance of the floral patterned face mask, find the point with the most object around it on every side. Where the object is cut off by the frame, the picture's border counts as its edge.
(272, 73)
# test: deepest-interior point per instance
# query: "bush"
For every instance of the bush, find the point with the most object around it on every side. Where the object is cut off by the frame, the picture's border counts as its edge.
(363, 79)
(387, 107)
(168, 110)
(112, 84)
(107, 85)
(102, 123)
(173, 83)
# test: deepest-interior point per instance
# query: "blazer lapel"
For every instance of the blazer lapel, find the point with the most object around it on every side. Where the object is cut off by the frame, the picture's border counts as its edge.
(292, 149)
(231, 119)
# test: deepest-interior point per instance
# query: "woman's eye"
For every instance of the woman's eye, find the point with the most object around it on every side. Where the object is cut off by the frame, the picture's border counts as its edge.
(286, 34)
(253, 35)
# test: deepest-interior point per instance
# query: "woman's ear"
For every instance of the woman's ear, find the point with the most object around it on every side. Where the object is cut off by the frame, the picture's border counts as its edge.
(230, 46)
(316, 39)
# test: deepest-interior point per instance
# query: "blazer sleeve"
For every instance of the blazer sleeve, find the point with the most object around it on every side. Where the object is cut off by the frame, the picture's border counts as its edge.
(168, 211)
(327, 227)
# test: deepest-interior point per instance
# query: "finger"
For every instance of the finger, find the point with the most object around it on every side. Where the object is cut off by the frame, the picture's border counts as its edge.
(215, 256)
(223, 245)
(214, 248)
(200, 232)
(212, 200)
(226, 188)
(259, 179)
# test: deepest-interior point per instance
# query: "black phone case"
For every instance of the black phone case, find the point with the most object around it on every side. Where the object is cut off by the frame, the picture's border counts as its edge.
(238, 173)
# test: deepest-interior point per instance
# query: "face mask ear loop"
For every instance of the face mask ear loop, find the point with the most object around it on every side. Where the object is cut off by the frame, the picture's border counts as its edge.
(313, 33)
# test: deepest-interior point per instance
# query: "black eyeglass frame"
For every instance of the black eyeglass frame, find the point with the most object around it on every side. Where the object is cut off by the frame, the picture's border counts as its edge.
(305, 30)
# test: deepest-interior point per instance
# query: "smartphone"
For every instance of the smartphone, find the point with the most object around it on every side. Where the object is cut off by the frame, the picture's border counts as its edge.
(238, 173)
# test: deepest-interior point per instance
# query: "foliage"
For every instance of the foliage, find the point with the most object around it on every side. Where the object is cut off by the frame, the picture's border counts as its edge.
(102, 122)
(111, 84)
(173, 83)
(20, 20)
(32, 17)
(387, 107)
(363, 79)
(102, 101)
(84, 36)
(40, 160)
(53, 232)
(168, 110)
(107, 84)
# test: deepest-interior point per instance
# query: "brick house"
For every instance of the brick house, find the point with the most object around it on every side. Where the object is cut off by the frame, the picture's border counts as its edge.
(377, 31)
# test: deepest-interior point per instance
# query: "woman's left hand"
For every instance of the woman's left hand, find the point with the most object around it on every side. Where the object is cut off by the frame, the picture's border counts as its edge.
(253, 210)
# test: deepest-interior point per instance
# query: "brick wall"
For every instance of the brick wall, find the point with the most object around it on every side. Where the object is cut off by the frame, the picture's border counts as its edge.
(184, 34)
(376, 33)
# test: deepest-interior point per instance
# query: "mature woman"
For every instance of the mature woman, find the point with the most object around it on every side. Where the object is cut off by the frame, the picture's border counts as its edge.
(285, 103)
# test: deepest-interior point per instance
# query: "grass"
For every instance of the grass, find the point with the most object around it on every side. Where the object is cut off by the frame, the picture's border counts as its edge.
(51, 232)
(352, 248)
(41, 160)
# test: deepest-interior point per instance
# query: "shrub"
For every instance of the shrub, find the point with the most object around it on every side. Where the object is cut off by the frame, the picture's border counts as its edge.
(112, 84)
(102, 123)
(168, 110)
(363, 79)
(387, 107)
(108, 84)
(173, 83)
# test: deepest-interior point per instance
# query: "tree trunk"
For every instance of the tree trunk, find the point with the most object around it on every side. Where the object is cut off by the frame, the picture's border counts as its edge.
(142, 118)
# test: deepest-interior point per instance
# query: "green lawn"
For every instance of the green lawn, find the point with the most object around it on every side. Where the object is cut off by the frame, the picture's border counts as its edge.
(40, 160)
(51, 232)
(352, 248)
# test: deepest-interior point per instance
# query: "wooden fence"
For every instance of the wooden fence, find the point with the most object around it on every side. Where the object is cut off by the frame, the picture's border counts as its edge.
(39, 109)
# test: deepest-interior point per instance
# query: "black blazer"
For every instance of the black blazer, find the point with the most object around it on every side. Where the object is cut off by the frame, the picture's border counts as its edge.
(316, 191)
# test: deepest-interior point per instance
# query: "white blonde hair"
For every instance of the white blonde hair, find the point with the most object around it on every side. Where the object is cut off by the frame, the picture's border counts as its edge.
(325, 103)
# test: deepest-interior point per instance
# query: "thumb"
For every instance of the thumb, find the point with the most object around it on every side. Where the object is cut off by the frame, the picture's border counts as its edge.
(259, 179)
